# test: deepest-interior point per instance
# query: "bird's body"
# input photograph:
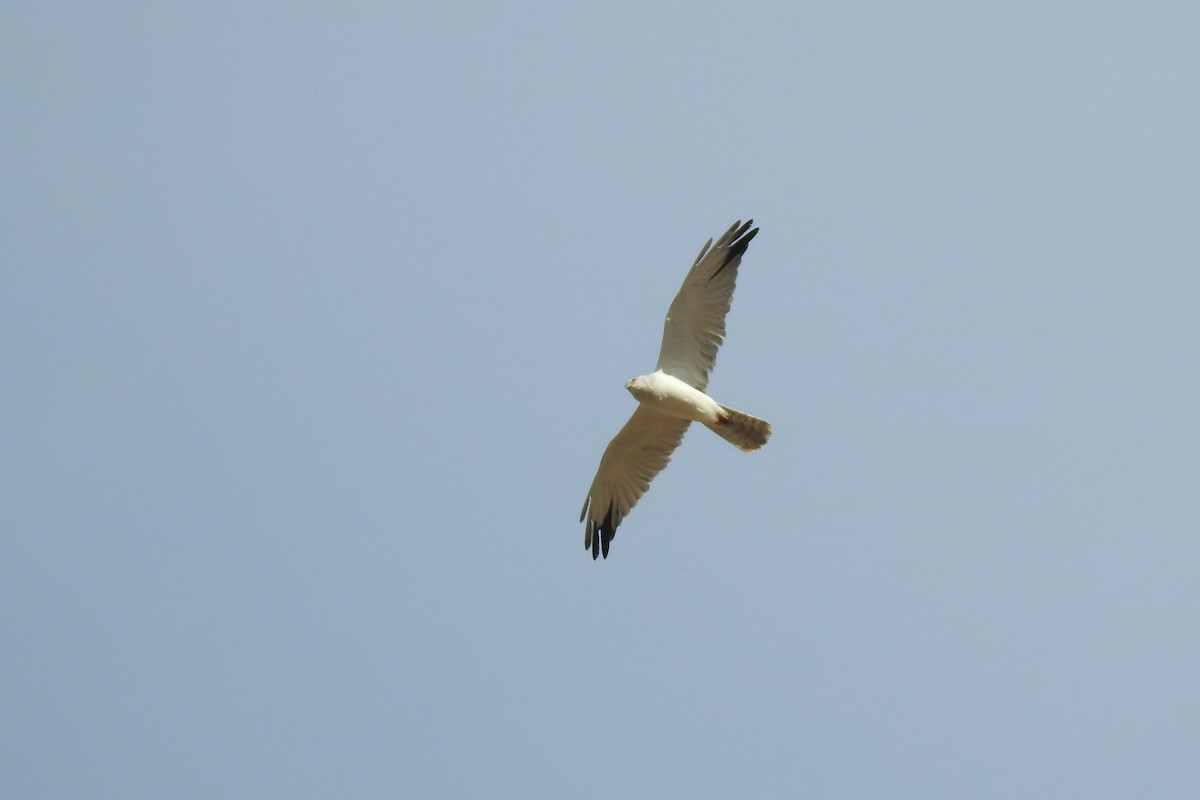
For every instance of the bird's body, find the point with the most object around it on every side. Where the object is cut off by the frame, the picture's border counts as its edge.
(667, 395)
(673, 396)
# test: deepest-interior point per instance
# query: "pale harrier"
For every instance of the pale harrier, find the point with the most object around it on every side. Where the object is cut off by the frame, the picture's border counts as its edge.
(672, 397)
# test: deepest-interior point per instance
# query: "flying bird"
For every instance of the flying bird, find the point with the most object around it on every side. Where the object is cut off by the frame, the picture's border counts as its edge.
(672, 397)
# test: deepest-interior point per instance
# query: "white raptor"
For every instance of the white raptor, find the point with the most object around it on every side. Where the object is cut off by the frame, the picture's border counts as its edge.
(672, 397)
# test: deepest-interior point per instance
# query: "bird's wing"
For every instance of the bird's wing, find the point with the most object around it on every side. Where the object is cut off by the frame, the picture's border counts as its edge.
(635, 455)
(695, 325)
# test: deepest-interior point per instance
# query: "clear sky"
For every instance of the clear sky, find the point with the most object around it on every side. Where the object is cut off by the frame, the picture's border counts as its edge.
(316, 320)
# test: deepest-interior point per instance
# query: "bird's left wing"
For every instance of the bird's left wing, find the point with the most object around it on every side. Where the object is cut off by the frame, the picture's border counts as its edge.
(695, 325)
(635, 455)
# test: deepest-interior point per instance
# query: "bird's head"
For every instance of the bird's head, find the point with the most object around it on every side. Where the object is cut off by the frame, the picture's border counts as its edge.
(637, 387)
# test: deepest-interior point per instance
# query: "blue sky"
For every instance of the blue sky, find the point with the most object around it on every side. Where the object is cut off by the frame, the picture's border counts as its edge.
(316, 320)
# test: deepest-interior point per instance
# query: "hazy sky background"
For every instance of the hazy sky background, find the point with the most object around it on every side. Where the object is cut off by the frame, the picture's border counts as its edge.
(316, 320)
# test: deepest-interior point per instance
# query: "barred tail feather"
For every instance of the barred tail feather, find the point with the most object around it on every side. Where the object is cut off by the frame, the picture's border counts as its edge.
(741, 430)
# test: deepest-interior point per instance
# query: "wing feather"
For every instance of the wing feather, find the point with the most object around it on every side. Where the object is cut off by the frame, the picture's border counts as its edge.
(695, 325)
(636, 454)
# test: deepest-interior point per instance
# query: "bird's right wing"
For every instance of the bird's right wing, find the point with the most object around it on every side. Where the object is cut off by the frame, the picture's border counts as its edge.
(635, 455)
(695, 325)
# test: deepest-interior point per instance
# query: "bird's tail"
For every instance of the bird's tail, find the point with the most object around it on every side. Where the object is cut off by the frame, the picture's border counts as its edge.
(741, 430)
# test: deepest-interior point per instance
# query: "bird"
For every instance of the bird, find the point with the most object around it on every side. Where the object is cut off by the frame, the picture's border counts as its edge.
(673, 396)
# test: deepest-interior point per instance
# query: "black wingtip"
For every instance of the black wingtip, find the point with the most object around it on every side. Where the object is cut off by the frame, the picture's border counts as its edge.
(605, 532)
(735, 241)
(601, 535)
(741, 238)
